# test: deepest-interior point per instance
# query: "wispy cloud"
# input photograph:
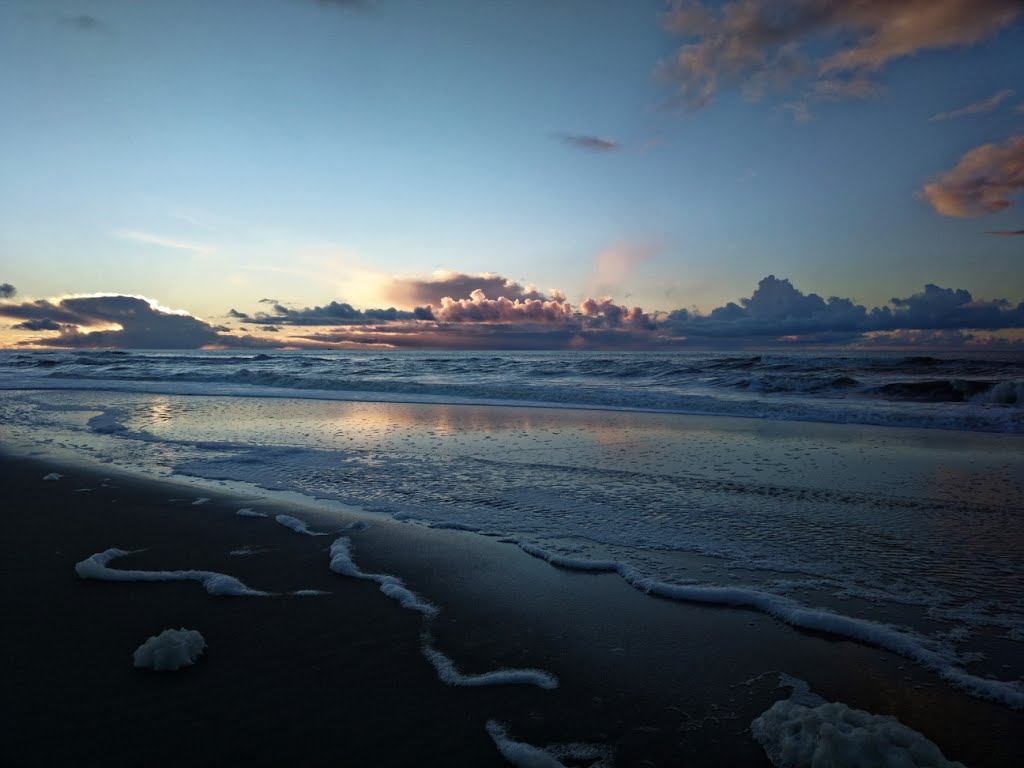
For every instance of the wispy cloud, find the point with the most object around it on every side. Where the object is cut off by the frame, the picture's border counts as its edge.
(1006, 232)
(162, 241)
(589, 143)
(83, 21)
(984, 181)
(977, 108)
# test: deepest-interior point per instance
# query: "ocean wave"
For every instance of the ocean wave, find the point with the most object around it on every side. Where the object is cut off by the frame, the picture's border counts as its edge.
(947, 393)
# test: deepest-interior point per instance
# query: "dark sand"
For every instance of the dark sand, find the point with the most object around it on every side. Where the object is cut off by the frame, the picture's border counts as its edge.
(339, 679)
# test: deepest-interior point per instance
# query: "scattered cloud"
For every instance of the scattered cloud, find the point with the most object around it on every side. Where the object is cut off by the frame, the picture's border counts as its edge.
(763, 45)
(121, 321)
(614, 265)
(477, 308)
(333, 313)
(164, 242)
(83, 21)
(799, 110)
(982, 182)
(7, 290)
(977, 108)
(410, 292)
(589, 143)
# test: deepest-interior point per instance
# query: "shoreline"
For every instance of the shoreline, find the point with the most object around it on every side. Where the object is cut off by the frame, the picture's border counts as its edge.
(657, 679)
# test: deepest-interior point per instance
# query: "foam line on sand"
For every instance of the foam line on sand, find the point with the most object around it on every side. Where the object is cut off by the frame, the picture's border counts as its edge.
(219, 584)
(897, 640)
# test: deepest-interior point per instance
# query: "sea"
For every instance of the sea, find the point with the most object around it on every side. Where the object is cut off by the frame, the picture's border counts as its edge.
(873, 496)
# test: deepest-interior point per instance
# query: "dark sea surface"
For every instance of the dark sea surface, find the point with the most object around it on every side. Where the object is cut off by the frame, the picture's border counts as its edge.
(977, 391)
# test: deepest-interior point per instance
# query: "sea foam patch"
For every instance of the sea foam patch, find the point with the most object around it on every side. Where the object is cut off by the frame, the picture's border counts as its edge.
(449, 673)
(246, 512)
(218, 584)
(171, 650)
(392, 586)
(523, 755)
(53, 476)
(299, 526)
(833, 734)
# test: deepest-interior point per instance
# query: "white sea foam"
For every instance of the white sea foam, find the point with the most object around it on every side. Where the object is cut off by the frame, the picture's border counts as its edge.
(172, 649)
(200, 501)
(108, 422)
(246, 512)
(392, 586)
(834, 735)
(53, 476)
(219, 584)
(523, 755)
(247, 549)
(904, 642)
(299, 526)
(450, 674)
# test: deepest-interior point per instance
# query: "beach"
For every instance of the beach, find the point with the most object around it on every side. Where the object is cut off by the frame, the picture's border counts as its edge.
(347, 677)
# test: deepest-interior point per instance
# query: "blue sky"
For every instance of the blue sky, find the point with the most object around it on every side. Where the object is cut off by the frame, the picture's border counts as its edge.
(208, 155)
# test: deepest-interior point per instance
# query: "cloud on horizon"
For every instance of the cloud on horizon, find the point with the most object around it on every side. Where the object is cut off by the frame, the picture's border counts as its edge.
(120, 321)
(984, 181)
(776, 313)
(770, 45)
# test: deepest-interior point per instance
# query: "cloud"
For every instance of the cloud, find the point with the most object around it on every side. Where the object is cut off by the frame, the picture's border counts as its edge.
(590, 143)
(763, 45)
(332, 313)
(45, 324)
(977, 108)
(418, 292)
(479, 309)
(7, 290)
(983, 182)
(1006, 232)
(83, 21)
(124, 321)
(778, 309)
(613, 265)
(164, 242)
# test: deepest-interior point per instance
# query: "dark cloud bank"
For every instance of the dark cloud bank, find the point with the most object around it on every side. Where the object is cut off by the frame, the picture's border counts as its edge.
(518, 317)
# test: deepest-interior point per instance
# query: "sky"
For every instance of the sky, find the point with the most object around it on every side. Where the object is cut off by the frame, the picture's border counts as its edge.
(528, 174)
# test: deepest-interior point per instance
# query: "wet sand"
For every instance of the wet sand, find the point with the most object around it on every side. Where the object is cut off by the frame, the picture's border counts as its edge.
(340, 679)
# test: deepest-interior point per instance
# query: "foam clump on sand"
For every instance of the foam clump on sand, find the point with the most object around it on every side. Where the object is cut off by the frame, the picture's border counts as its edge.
(218, 584)
(832, 735)
(53, 476)
(172, 649)
(299, 526)
(523, 755)
(249, 513)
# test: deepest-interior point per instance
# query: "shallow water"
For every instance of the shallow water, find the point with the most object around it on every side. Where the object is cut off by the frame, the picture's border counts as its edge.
(914, 528)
